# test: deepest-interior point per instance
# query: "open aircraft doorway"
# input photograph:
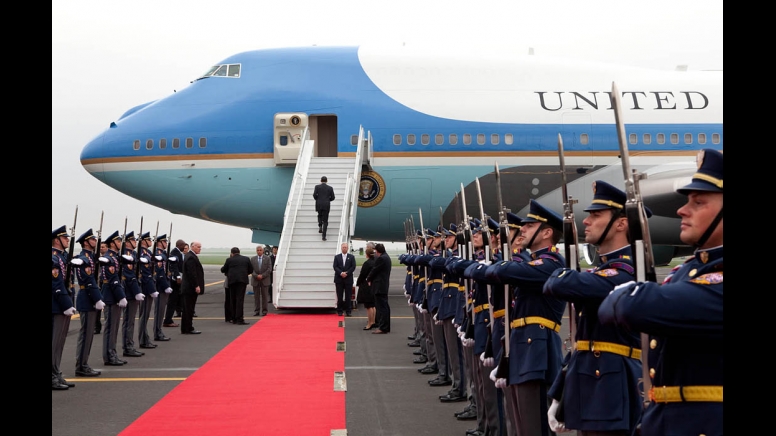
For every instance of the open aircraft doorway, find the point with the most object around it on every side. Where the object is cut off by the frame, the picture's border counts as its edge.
(323, 130)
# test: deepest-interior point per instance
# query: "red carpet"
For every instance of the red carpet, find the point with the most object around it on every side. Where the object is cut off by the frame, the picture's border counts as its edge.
(277, 378)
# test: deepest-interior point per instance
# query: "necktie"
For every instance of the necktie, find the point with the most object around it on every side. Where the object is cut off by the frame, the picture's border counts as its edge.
(259, 262)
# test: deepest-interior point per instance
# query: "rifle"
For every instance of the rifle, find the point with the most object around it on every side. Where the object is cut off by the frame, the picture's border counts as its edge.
(138, 239)
(638, 231)
(71, 246)
(442, 226)
(467, 237)
(570, 239)
(96, 254)
(123, 246)
(153, 253)
(502, 370)
(167, 262)
(486, 245)
(425, 269)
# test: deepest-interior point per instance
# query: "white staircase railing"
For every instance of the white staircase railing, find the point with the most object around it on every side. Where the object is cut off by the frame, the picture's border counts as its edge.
(350, 205)
(292, 210)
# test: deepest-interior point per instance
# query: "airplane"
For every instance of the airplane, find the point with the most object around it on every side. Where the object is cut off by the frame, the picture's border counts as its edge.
(226, 147)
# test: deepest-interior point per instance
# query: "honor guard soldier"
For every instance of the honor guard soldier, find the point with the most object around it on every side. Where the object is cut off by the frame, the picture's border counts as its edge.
(683, 318)
(61, 305)
(148, 287)
(607, 404)
(163, 287)
(134, 294)
(88, 302)
(535, 344)
(114, 297)
(435, 268)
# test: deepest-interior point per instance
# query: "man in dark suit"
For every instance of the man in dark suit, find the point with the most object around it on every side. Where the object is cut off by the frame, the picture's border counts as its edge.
(192, 285)
(237, 269)
(262, 267)
(344, 265)
(379, 279)
(323, 195)
(173, 303)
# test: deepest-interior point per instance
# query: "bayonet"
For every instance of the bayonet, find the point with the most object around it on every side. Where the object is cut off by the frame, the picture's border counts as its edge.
(570, 239)
(502, 370)
(71, 246)
(96, 255)
(467, 236)
(486, 246)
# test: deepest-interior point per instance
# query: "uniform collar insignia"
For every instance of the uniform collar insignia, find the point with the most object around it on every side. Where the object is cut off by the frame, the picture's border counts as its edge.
(704, 256)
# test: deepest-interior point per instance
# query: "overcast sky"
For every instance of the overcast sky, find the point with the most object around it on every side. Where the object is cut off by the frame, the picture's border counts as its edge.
(110, 56)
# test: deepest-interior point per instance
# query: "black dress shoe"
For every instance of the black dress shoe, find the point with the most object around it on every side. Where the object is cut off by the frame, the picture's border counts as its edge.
(412, 338)
(428, 370)
(133, 353)
(379, 332)
(242, 323)
(148, 345)
(66, 383)
(57, 386)
(264, 313)
(421, 359)
(451, 398)
(413, 344)
(417, 352)
(323, 239)
(195, 316)
(348, 314)
(467, 416)
(339, 313)
(440, 382)
(163, 339)
(192, 332)
(256, 314)
(96, 331)
(474, 432)
(87, 372)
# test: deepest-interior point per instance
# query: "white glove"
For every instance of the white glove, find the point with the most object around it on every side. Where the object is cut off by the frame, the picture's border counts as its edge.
(458, 330)
(493, 374)
(173, 259)
(123, 302)
(482, 357)
(70, 312)
(127, 257)
(555, 426)
(159, 258)
(468, 343)
(143, 260)
(501, 383)
(168, 291)
(103, 259)
(99, 305)
(624, 285)
(422, 310)
(404, 288)
(155, 294)
(488, 362)
(139, 297)
(77, 261)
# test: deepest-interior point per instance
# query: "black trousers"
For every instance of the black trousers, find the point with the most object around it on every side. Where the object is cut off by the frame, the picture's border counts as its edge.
(343, 296)
(187, 315)
(382, 312)
(323, 220)
(228, 305)
(237, 301)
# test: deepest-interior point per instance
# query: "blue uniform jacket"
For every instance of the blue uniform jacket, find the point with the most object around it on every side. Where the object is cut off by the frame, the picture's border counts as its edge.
(162, 281)
(61, 300)
(452, 291)
(112, 289)
(436, 272)
(684, 321)
(535, 349)
(601, 391)
(147, 272)
(129, 275)
(88, 290)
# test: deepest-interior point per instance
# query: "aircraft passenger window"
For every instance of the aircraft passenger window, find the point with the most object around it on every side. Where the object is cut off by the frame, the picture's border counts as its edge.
(715, 138)
(688, 138)
(202, 142)
(189, 142)
(353, 139)
(411, 139)
(136, 144)
(397, 139)
(701, 138)
(234, 70)
(176, 143)
(494, 138)
(221, 71)
(425, 139)
(584, 139)
(162, 144)
(453, 139)
(439, 139)
(674, 138)
(467, 139)
(647, 138)
(509, 139)
(661, 138)
(149, 144)
(481, 138)
(633, 139)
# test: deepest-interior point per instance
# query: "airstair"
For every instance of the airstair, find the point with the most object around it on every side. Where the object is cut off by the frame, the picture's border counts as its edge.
(304, 274)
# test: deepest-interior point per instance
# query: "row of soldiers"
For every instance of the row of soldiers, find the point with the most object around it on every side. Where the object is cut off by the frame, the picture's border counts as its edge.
(122, 282)
(464, 284)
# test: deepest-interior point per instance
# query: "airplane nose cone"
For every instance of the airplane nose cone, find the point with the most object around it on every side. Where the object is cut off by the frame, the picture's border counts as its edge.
(92, 157)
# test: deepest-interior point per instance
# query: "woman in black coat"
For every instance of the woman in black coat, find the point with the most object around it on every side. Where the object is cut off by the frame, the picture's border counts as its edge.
(365, 294)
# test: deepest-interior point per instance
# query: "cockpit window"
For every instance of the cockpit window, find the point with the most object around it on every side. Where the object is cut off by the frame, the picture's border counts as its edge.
(223, 70)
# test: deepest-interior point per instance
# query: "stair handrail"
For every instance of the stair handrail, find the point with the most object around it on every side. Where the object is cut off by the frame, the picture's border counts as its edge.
(357, 179)
(342, 233)
(292, 209)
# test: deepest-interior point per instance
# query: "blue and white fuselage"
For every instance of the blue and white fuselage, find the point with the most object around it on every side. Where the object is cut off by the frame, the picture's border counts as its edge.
(438, 118)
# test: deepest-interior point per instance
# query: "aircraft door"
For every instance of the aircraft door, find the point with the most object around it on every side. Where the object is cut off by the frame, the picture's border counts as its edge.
(287, 137)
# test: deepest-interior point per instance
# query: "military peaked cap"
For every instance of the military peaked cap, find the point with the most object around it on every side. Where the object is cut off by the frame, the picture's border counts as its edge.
(540, 214)
(709, 175)
(87, 234)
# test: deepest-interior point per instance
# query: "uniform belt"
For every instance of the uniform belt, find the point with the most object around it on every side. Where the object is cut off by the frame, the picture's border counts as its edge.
(104, 282)
(409, 273)
(422, 279)
(499, 313)
(415, 276)
(481, 307)
(431, 282)
(450, 285)
(461, 288)
(469, 301)
(522, 322)
(677, 394)
(609, 347)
